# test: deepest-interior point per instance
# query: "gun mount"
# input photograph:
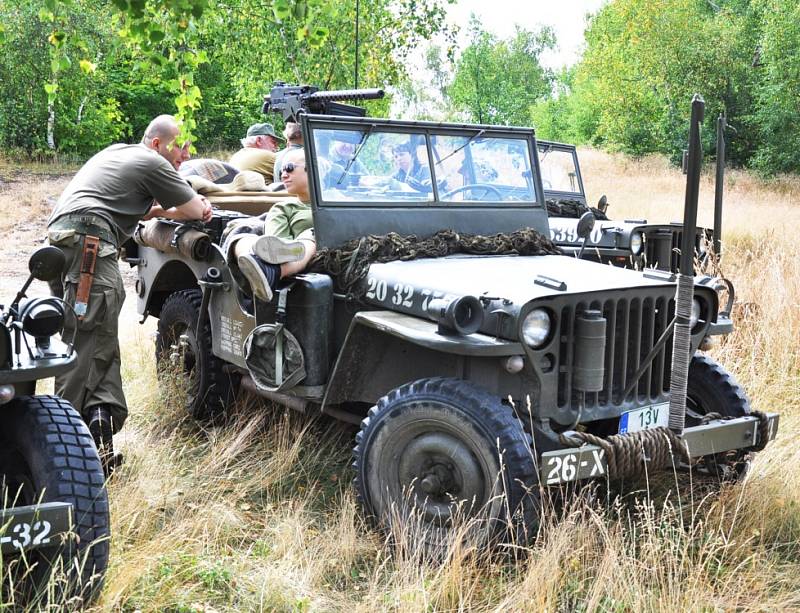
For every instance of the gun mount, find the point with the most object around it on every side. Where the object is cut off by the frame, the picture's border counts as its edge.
(293, 100)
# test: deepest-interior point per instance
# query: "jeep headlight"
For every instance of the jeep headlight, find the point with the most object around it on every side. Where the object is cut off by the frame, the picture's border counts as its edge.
(42, 317)
(536, 327)
(636, 243)
(695, 316)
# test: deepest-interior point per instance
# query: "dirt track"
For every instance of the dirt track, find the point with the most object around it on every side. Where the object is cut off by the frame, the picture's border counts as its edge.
(24, 211)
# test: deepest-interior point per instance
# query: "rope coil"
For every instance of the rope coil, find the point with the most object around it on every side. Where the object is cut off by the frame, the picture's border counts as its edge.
(633, 455)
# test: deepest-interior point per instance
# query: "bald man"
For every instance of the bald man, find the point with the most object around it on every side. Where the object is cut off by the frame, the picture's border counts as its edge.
(95, 215)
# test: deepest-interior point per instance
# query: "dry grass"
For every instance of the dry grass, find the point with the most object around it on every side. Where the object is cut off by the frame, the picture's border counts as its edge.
(259, 515)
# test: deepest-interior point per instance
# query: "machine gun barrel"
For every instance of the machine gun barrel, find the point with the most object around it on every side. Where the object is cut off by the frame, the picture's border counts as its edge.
(348, 94)
(292, 100)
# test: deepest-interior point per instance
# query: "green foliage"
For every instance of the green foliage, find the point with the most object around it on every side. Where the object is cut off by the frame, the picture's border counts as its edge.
(205, 60)
(644, 60)
(497, 81)
(567, 116)
(776, 111)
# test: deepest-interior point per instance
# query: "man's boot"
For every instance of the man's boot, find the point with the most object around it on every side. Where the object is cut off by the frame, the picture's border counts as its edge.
(102, 432)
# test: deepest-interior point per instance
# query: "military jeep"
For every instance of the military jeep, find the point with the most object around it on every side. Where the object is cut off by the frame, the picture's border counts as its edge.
(54, 518)
(478, 371)
(631, 243)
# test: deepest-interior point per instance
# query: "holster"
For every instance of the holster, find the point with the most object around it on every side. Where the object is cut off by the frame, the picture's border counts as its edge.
(91, 245)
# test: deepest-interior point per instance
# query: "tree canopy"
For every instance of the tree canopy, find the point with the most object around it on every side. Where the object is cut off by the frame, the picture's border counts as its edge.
(76, 75)
(496, 81)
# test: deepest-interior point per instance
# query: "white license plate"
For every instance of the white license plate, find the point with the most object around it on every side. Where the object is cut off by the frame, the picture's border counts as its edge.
(644, 418)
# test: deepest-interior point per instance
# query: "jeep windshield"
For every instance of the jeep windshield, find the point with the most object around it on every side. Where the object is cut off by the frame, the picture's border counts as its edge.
(559, 168)
(425, 167)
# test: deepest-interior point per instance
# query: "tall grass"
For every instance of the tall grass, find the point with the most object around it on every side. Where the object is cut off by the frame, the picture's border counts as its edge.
(258, 514)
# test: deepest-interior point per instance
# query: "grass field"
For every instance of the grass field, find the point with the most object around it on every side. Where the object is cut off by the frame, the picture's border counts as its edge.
(259, 514)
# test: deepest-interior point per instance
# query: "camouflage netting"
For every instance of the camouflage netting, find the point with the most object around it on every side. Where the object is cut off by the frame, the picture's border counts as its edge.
(350, 264)
(571, 208)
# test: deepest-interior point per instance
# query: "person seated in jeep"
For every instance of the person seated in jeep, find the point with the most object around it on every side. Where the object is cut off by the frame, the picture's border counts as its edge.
(409, 170)
(287, 244)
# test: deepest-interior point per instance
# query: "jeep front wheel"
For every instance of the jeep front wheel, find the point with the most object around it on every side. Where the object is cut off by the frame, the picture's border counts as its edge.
(48, 455)
(180, 352)
(713, 390)
(450, 455)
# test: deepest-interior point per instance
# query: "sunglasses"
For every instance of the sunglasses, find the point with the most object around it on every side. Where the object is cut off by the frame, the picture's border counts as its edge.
(289, 168)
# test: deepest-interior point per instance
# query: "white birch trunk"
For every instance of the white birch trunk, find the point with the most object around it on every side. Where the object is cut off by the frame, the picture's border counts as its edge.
(51, 123)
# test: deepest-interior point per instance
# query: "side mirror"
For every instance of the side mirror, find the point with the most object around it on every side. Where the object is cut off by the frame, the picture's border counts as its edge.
(602, 204)
(47, 263)
(585, 227)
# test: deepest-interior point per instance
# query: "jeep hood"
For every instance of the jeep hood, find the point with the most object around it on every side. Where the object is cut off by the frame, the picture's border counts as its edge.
(518, 279)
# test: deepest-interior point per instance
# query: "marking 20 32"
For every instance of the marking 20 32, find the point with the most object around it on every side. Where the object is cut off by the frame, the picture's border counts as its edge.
(401, 294)
(23, 535)
(572, 466)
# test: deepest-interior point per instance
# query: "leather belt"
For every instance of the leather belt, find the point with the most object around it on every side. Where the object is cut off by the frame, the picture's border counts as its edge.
(85, 224)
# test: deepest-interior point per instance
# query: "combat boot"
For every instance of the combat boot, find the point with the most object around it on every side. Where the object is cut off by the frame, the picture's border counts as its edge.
(103, 434)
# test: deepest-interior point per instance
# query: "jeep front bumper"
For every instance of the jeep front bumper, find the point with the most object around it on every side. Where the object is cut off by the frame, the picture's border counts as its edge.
(719, 436)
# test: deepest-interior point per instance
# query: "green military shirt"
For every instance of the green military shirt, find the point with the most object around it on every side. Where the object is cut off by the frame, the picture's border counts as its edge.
(288, 219)
(119, 184)
(252, 158)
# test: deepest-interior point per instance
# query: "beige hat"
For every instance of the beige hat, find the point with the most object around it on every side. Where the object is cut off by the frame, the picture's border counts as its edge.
(245, 181)
(248, 181)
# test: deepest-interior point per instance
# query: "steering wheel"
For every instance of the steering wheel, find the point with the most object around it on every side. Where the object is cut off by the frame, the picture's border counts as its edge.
(469, 186)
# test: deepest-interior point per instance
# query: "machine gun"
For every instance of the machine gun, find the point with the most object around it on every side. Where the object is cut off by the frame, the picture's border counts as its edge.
(293, 100)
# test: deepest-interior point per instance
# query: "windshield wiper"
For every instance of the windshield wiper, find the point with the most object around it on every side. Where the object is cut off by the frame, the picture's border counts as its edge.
(452, 153)
(352, 160)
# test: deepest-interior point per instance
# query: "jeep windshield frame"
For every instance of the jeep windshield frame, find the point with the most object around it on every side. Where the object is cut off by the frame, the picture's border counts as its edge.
(560, 170)
(375, 176)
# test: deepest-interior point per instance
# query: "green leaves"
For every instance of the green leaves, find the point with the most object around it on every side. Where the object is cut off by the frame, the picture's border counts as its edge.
(87, 67)
(59, 63)
(497, 81)
(282, 10)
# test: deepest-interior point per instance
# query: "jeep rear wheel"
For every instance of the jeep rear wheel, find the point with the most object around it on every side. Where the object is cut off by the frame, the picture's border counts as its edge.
(49, 456)
(712, 389)
(208, 387)
(442, 451)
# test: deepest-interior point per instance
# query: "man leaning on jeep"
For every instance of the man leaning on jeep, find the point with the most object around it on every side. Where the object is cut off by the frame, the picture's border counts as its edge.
(97, 212)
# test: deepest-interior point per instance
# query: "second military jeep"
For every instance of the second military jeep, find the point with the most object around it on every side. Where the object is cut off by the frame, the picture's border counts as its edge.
(478, 370)
(630, 243)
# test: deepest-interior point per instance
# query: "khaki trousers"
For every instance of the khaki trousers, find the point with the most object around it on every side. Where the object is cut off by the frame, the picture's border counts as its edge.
(95, 379)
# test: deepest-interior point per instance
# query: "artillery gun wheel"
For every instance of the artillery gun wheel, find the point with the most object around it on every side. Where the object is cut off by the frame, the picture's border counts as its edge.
(49, 456)
(209, 388)
(450, 457)
(712, 389)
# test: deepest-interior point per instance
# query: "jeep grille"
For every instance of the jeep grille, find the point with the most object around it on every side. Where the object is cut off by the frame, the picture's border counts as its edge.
(634, 324)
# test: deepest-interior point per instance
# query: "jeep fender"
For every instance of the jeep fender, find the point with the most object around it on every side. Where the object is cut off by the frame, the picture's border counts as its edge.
(160, 274)
(386, 349)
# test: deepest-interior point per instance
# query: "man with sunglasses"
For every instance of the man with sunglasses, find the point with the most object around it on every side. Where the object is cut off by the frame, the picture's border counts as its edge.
(95, 215)
(287, 244)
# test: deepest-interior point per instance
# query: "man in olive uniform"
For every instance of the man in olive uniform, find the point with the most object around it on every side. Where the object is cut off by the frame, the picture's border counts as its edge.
(258, 151)
(95, 215)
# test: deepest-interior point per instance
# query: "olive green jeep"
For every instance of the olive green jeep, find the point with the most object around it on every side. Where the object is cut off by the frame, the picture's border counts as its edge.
(478, 363)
